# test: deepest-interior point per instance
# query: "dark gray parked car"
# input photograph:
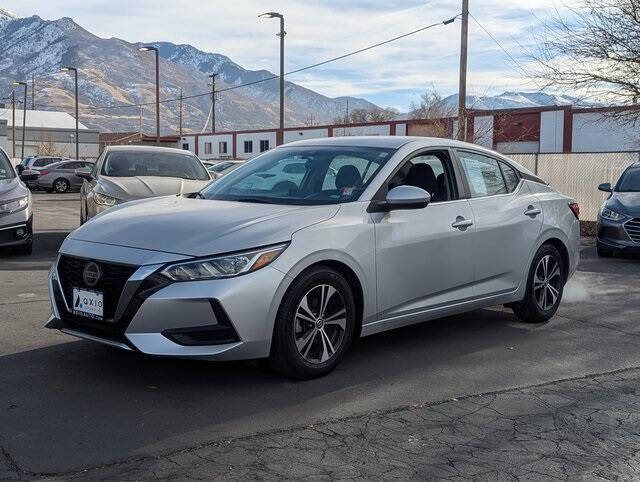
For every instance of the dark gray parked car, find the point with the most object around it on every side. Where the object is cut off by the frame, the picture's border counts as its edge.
(619, 218)
(61, 176)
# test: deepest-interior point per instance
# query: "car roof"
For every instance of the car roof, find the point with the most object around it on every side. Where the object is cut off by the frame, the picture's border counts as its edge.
(147, 149)
(390, 142)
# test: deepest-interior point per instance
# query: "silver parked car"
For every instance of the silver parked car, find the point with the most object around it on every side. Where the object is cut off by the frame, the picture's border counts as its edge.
(16, 215)
(225, 167)
(34, 164)
(373, 233)
(61, 176)
(127, 173)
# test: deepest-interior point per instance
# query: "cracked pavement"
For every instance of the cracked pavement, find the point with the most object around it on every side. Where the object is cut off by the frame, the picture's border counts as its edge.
(479, 395)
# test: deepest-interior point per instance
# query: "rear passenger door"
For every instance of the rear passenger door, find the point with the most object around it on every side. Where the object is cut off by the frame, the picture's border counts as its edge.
(508, 220)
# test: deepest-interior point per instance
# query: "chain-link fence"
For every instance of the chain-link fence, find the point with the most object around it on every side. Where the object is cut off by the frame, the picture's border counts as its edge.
(579, 174)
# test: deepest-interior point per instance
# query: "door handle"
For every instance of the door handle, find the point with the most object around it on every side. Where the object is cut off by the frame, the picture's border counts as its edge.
(461, 223)
(532, 211)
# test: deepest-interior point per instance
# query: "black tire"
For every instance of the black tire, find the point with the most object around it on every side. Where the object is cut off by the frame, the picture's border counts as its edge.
(602, 251)
(286, 357)
(529, 309)
(61, 185)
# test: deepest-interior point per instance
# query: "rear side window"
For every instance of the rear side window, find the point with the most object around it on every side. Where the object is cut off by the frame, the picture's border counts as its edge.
(510, 176)
(42, 162)
(483, 174)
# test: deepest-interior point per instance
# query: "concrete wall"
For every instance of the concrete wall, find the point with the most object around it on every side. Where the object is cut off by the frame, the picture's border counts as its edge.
(594, 132)
(62, 140)
(551, 131)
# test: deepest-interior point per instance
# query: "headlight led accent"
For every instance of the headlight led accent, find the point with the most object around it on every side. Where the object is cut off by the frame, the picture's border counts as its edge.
(224, 266)
(611, 215)
(104, 200)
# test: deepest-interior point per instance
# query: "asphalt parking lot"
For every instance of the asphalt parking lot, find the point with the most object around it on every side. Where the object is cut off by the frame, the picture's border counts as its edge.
(478, 395)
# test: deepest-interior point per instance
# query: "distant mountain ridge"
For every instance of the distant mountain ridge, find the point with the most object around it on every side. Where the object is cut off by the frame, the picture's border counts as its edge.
(513, 100)
(113, 72)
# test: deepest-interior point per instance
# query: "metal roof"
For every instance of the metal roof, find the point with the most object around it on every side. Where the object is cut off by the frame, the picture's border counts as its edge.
(42, 119)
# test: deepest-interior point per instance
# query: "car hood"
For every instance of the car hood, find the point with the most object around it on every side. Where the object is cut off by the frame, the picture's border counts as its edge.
(139, 187)
(625, 203)
(11, 189)
(199, 227)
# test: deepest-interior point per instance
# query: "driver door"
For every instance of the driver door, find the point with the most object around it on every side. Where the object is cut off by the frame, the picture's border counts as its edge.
(425, 256)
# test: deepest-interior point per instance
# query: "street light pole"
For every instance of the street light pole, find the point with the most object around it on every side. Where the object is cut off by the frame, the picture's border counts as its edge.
(281, 35)
(13, 122)
(155, 49)
(75, 73)
(24, 113)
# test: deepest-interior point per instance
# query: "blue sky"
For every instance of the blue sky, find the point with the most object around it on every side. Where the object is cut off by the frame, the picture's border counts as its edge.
(392, 75)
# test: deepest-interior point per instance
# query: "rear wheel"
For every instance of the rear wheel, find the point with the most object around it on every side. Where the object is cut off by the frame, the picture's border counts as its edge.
(61, 185)
(545, 285)
(315, 325)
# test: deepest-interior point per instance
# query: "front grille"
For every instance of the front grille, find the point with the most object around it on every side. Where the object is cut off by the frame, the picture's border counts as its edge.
(110, 284)
(633, 229)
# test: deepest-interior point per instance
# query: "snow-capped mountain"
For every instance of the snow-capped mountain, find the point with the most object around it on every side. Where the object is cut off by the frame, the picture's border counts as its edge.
(511, 100)
(113, 72)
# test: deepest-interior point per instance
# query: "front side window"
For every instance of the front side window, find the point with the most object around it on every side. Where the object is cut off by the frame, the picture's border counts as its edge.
(153, 163)
(430, 172)
(222, 147)
(302, 176)
(630, 181)
(207, 147)
(483, 174)
(6, 168)
(248, 147)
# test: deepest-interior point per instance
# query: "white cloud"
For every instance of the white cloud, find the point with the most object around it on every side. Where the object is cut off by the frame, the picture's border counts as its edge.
(321, 30)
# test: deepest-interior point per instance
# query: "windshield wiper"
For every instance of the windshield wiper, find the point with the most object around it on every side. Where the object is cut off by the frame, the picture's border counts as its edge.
(252, 200)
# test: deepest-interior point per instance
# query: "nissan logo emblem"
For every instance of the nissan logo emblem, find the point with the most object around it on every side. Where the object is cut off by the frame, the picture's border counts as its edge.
(91, 274)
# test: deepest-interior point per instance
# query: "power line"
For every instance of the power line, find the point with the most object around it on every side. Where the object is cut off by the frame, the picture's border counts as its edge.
(302, 69)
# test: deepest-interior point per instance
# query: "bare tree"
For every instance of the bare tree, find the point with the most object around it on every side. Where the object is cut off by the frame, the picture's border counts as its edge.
(362, 115)
(434, 107)
(595, 49)
(47, 147)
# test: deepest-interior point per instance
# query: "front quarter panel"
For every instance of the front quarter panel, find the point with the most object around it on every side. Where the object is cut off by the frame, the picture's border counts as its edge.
(347, 238)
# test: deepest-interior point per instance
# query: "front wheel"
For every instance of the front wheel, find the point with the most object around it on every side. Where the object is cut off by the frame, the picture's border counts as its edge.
(545, 285)
(315, 325)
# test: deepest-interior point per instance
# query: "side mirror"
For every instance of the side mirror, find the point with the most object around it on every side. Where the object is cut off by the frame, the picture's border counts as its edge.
(19, 169)
(84, 173)
(403, 197)
(605, 187)
(29, 175)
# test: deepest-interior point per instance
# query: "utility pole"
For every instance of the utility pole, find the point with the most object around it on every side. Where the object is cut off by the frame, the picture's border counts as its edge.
(213, 101)
(13, 122)
(33, 92)
(346, 120)
(462, 87)
(180, 131)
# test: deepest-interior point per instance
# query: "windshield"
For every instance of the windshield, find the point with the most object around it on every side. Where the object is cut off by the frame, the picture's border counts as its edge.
(301, 176)
(630, 181)
(153, 163)
(6, 168)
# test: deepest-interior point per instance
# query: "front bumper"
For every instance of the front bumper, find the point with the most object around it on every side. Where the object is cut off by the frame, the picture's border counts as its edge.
(617, 235)
(226, 319)
(16, 229)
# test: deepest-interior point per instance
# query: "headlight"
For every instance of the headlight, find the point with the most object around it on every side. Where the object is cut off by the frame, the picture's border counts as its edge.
(14, 205)
(225, 266)
(104, 200)
(607, 213)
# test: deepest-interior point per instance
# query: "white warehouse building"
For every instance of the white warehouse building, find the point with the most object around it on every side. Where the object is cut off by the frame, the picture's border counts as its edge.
(46, 132)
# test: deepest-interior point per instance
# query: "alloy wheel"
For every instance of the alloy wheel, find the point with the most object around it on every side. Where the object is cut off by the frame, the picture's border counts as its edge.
(320, 323)
(547, 282)
(61, 185)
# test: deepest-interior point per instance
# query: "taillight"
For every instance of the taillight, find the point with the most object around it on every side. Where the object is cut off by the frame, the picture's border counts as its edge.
(44, 173)
(575, 208)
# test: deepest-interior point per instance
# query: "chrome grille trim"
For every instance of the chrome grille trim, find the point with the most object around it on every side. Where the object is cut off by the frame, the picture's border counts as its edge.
(632, 228)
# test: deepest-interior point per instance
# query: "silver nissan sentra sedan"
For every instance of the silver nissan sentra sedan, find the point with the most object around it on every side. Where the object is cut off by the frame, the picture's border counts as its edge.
(308, 246)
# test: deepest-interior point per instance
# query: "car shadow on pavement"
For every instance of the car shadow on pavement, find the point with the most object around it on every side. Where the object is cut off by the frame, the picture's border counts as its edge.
(81, 404)
(45, 250)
